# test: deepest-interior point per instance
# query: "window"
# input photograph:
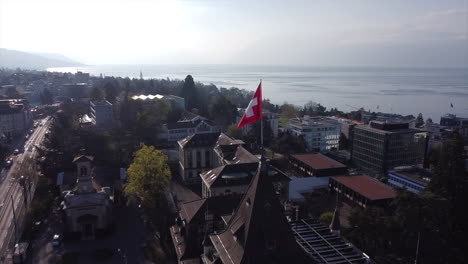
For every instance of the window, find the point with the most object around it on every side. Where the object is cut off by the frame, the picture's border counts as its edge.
(207, 159)
(198, 159)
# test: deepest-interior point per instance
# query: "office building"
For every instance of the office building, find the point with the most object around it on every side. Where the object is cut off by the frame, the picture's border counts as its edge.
(102, 113)
(381, 146)
(413, 179)
(319, 133)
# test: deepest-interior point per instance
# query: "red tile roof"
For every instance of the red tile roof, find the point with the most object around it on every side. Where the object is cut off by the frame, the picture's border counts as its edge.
(318, 161)
(366, 186)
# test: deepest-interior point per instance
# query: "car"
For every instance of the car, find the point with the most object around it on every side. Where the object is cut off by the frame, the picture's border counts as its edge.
(31, 131)
(26, 137)
(56, 240)
(9, 162)
(16, 151)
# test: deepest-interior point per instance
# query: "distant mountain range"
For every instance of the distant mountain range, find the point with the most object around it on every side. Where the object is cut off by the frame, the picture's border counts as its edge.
(34, 61)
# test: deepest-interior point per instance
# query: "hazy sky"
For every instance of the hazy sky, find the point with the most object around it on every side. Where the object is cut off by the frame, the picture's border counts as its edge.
(314, 32)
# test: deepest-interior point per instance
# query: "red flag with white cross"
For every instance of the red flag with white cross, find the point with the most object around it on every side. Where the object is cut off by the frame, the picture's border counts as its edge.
(253, 112)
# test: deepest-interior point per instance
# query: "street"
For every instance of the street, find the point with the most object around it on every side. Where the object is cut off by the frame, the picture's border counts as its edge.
(12, 199)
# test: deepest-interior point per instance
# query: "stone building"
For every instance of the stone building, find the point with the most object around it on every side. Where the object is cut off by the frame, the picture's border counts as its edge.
(197, 154)
(88, 204)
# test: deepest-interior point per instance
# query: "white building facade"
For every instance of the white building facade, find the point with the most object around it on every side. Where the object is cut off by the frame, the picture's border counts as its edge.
(319, 133)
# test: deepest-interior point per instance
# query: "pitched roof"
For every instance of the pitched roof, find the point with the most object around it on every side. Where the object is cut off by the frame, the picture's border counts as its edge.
(366, 186)
(187, 124)
(258, 231)
(200, 140)
(83, 158)
(318, 161)
(208, 140)
(187, 242)
(230, 174)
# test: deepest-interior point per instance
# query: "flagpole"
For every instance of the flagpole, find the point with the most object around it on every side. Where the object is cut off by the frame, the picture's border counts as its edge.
(261, 126)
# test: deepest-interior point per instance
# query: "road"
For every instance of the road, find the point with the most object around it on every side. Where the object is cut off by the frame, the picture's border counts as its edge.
(12, 193)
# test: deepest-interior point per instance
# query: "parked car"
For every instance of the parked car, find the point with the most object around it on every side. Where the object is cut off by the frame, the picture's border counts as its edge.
(8, 162)
(56, 240)
(16, 151)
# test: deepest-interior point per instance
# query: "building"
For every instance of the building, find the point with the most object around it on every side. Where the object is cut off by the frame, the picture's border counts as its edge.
(233, 179)
(88, 205)
(73, 90)
(197, 154)
(257, 231)
(316, 165)
(189, 124)
(319, 133)
(175, 101)
(81, 77)
(381, 146)
(270, 118)
(15, 118)
(459, 124)
(101, 113)
(362, 190)
(413, 179)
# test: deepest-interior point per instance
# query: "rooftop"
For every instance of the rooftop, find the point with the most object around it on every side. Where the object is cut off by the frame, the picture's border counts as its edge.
(325, 246)
(413, 173)
(258, 231)
(389, 128)
(299, 186)
(366, 186)
(101, 103)
(318, 161)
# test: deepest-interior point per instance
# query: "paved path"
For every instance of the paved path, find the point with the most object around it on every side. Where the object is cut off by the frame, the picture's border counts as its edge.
(11, 193)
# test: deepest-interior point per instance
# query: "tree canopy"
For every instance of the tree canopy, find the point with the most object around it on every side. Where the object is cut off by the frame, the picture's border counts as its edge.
(148, 176)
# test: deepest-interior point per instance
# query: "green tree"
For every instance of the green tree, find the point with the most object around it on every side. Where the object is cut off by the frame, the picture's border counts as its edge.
(234, 132)
(150, 119)
(97, 94)
(12, 93)
(148, 176)
(222, 111)
(288, 111)
(189, 93)
(111, 92)
(326, 218)
(46, 97)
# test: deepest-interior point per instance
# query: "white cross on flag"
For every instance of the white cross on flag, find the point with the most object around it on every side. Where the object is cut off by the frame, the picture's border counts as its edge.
(253, 112)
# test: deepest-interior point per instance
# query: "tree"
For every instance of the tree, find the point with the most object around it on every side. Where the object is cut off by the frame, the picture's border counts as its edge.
(96, 94)
(12, 93)
(288, 111)
(189, 93)
(111, 92)
(419, 120)
(46, 97)
(344, 142)
(148, 176)
(234, 132)
(326, 218)
(150, 119)
(222, 111)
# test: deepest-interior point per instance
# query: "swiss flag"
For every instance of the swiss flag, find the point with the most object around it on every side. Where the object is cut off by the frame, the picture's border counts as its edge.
(253, 112)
